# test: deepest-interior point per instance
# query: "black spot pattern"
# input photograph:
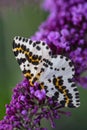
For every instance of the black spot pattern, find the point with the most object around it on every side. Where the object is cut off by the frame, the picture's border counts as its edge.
(30, 42)
(34, 44)
(38, 42)
(70, 80)
(63, 103)
(49, 80)
(70, 64)
(66, 59)
(43, 43)
(35, 68)
(61, 57)
(44, 64)
(42, 69)
(20, 38)
(73, 85)
(16, 53)
(38, 48)
(63, 68)
(47, 47)
(21, 60)
(26, 71)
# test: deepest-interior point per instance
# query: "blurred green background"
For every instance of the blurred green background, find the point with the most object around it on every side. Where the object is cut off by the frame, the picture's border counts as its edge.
(25, 22)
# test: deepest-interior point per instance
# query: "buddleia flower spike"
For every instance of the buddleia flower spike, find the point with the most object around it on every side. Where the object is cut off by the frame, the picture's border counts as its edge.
(47, 87)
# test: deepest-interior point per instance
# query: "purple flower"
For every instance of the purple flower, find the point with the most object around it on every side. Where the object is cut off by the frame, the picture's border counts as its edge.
(27, 109)
(65, 31)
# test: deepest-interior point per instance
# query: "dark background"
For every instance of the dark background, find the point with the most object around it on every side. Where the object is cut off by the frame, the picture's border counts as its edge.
(24, 22)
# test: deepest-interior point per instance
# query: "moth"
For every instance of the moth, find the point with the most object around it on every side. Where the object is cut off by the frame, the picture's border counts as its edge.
(54, 73)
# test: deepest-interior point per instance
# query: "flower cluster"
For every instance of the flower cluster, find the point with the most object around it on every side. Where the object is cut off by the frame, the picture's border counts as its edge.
(28, 107)
(65, 31)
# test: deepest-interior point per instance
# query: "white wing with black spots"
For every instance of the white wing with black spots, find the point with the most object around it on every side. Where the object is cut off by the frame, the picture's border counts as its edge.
(30, 55)
(58, 80)
(54, 73)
